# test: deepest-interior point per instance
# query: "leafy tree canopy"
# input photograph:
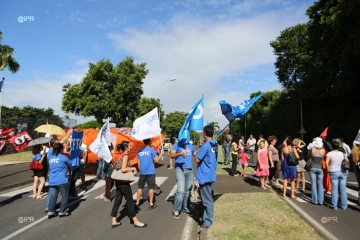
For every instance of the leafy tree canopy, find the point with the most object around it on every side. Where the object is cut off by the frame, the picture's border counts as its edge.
(90, 124)
(107, 91)
(173, 123)
(6, 58)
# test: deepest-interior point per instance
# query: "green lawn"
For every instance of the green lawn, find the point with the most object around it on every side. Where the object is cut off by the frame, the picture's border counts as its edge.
(17, 157)
(255, 216)
(222, 169)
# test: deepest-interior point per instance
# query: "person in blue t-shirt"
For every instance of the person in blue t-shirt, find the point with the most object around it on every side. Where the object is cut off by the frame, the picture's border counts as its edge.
(207, 159)
(146, 158)
(58, 181)
(183, 153)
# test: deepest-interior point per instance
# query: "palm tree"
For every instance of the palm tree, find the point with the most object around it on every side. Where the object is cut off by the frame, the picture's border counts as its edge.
(215, 125)
(6, 60)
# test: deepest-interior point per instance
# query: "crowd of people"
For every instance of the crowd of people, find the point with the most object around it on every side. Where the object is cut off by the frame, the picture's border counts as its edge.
(328, 164)
(62, 173)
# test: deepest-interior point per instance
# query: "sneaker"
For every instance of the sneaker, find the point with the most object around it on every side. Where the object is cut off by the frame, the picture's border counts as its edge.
(176, 215)
(151, 207)
(137, 207)
(203, 227)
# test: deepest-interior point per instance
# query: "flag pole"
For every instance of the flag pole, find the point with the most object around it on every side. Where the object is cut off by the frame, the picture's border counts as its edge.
(1, 103)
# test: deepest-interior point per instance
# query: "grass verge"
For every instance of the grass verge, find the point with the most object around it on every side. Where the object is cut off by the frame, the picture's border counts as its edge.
(17, 157)
(222, 169)
(257, 216)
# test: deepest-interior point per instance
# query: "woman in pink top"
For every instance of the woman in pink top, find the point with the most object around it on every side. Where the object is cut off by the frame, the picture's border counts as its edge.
(262, 168)
(244, 161)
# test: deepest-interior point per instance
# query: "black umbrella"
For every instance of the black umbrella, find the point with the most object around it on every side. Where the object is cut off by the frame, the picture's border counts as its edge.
(38, 141)
(327, 145)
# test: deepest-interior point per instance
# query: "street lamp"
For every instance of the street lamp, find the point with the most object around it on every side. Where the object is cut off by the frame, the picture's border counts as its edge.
(171, 80)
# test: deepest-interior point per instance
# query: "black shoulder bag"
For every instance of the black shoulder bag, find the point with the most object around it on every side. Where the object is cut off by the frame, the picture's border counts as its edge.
(292, 160)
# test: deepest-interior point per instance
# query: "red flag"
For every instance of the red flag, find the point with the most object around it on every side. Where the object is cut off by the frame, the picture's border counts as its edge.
(7, 132)
(324, 133)
(2, 144)
(20, 141)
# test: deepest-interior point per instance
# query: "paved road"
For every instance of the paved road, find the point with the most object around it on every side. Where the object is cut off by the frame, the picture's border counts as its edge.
(15, 174)
(23, 217)
(342, 224)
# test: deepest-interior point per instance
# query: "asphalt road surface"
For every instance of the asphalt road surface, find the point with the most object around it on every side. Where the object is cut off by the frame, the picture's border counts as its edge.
(24, 218)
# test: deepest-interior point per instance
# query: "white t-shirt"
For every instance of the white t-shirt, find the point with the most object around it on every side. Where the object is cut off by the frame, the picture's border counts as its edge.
(251, 142)
(241, 144)
(336, 159)
(83, 148)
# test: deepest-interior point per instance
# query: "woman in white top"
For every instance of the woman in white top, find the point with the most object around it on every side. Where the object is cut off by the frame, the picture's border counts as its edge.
(242, 143)
(338, 176)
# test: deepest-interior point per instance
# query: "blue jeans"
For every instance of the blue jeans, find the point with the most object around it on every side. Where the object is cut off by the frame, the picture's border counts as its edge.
(226, 152)
(184, 181)
(206, 194)
(100, 167)
(317, 188)
(338, 181)
(47, 201)
(54, 192)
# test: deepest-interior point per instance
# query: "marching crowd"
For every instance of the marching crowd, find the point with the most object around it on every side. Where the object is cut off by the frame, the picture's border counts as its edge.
(56, 164)
(328, 164)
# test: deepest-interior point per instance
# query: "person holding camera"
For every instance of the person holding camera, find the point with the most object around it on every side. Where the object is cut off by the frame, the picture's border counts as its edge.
(226, 140)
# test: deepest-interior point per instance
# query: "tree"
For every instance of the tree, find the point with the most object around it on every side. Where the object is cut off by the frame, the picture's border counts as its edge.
(107, 92)
(90, 124)
(39, 117)
(145, 106)
(291, 49)
(195, 136)
(6, 58)
(173, 123)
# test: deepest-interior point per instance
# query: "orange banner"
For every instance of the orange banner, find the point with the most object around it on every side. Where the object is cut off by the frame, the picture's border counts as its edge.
(91, 134)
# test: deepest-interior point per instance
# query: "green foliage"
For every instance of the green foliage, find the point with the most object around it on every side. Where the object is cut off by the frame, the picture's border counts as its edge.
(107, 92)
(41, 116)
(90, 124)
(6, 58)
(173, 123)
(195, 136)
(145, 106)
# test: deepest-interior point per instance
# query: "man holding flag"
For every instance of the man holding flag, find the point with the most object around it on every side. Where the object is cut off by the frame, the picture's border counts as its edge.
(183, 151)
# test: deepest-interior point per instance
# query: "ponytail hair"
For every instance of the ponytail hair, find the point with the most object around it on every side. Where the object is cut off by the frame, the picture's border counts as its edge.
(57, 149)
(123, 146)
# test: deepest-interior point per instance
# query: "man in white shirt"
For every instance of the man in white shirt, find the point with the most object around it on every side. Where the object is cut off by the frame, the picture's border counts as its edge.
(346, 147)
(251, 142)
(83, 161)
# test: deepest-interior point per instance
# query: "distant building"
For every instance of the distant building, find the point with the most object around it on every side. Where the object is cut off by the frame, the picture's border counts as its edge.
(69, 123)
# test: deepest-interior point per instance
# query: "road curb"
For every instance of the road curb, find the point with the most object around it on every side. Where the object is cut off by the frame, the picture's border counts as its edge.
(7, 187)
(311, 221)
(5, 165)
(308, 219)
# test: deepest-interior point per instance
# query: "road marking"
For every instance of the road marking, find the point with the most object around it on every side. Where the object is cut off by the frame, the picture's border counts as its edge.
(145, 196)
(172, 192)
(78, 183)
(30, 188)
(113, 191)
(38, 221)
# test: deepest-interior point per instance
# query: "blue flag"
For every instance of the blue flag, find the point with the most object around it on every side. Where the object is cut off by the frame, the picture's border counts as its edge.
(184, 134)
(75, 144)
(1, 84)
(239, 111)
(197, 122)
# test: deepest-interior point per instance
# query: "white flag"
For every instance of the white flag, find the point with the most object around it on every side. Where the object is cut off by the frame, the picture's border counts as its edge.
(105, 132)
(147, 126)
(100, 148)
